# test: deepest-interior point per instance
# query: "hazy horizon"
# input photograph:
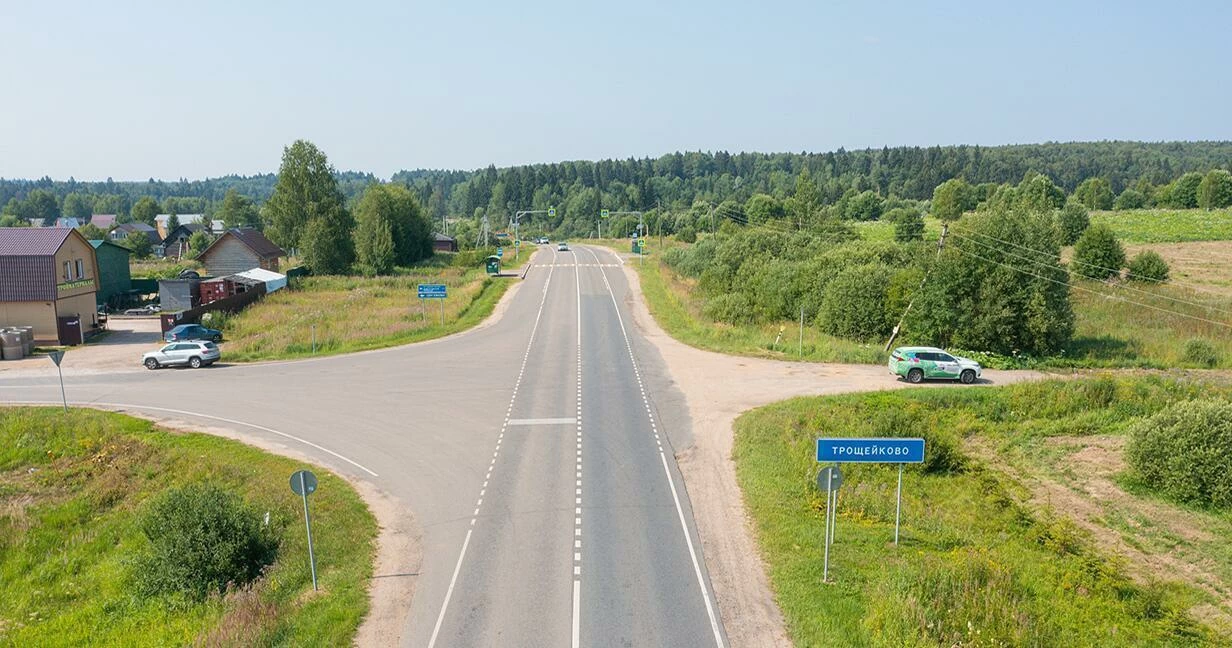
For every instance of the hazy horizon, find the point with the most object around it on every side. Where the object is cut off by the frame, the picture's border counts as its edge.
(380, 86)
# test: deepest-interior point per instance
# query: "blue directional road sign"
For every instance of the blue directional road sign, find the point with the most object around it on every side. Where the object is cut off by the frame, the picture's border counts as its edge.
(886, 450)
(431, 291)
(500, 252)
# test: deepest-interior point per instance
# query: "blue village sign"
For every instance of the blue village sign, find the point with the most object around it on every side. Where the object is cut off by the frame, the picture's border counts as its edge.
(431, 291)
(887, 450)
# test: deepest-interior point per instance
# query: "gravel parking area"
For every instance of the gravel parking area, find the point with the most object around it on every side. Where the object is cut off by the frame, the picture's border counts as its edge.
(118, 349)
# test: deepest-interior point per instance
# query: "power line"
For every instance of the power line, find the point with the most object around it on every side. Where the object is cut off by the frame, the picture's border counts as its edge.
(1096, 292)
(1122, 287)
(1098, 267)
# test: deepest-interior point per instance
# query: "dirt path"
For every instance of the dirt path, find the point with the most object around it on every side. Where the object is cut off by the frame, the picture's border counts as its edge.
(718, 388)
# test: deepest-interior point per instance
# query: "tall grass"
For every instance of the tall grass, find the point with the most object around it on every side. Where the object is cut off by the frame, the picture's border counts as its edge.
(358, 313)
(974, 567)
(71, 490)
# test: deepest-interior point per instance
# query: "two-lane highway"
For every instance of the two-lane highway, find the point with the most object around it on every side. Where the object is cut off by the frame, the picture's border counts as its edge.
(535, 454)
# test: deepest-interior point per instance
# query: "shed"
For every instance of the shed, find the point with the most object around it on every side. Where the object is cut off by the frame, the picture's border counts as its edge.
(179, 294)
(114, 279)
(241, 249)
(48, 279)
(443, 243)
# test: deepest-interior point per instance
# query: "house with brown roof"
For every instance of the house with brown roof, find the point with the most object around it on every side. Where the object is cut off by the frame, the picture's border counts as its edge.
(175, 245)
(238, 250)
(103, 221)
(48, 280)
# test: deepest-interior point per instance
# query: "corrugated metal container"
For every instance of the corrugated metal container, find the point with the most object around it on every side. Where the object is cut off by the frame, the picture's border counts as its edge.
(10, 345)
(27, 338)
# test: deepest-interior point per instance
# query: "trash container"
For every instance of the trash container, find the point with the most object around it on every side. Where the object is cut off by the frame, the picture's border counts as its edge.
(10, 345)
(493, 263)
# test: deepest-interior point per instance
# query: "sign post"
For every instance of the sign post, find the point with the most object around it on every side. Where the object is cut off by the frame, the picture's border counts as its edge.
(829, 479)
(57, 357)
(434, 291)
(864, 450)
(304, 483)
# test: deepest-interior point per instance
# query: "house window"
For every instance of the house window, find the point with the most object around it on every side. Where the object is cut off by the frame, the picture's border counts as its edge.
(81, 269)
(68, 276)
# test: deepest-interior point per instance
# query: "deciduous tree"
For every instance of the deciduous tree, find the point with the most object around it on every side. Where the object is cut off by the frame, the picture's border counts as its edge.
(144, 210)
(951, 198)
(1098, 254)
(1215, 190)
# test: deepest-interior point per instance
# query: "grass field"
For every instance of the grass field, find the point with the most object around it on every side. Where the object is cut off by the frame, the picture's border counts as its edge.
(71, 488)
(984, 558)
(879, 230)
(1167, 225)
(358, 313)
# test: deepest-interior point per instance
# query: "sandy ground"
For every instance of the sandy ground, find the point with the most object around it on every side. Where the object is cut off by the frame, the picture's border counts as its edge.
(119, 349)
(718, 388)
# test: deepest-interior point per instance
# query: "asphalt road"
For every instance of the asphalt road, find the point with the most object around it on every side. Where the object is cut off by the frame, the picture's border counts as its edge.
(536, 455)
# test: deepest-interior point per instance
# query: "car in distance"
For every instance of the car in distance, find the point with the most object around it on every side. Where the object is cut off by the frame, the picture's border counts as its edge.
(150, 309)
(195, 354)
(562, 247)
(916, 364)
(542, 240)
(187, 332)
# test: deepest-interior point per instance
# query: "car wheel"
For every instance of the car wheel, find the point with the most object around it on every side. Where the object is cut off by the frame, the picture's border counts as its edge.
(151, 363)
(195, 363)
(216, 338)
(915, 376)
(967, 376)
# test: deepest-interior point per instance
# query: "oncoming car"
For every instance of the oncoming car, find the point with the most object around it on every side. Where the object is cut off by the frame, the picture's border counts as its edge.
(562, 247)
(919, 363)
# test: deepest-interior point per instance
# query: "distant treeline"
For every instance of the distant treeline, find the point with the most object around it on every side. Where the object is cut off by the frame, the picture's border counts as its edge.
(678, 180)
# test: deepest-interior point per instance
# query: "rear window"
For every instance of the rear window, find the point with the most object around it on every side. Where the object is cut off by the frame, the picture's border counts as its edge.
(209, 345)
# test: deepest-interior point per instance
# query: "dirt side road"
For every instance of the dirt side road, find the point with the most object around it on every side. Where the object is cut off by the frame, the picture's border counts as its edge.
(718, 388)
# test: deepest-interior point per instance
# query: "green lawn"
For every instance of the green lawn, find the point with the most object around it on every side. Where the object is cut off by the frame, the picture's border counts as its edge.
(358, 313)
(1167, 225)
(976, 565)
(71, 489)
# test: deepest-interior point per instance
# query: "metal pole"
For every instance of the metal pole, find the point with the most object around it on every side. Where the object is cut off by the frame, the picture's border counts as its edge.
(802, 332)
(898, 503)
(442, 312)
(825, 569)
(312, 561)
(314, 339)
(834, 518)
(62, 396)
(599, 223)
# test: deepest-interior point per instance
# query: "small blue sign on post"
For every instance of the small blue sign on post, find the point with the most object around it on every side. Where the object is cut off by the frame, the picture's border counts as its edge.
(886, 450)
(432, 291)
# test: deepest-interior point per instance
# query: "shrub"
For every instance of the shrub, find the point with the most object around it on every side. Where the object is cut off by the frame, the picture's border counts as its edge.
(854, 305)
(908, 224)
(1072, 220)
(1098, 254)
(1130, 199)
(686, 234)
(201, 539)
(1201, 353)
(1148, 266)
(1185, 451)
(733, 308)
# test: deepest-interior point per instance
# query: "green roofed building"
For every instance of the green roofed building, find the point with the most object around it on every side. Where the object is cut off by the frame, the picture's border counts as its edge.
(114, 280)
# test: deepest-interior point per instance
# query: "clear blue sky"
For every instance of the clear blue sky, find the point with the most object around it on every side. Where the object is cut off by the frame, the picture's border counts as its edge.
(172, 89)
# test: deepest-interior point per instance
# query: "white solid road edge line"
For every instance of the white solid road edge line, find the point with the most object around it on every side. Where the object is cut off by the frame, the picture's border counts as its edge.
(577, 526)
(205, 416)
(457, 568)
(697, 570)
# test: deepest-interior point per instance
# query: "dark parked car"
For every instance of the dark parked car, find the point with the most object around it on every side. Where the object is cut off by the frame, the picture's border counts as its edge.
(185, 332)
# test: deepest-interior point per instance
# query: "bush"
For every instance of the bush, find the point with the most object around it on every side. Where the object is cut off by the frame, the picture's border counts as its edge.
(854, 305)
(1098, 254)
(1185, 452)
(201, 540)
(733, 308)
(1148, 266)
(1130, 199)
(686, 234)
(908, 224)
(1201, 353)
(1072, 220)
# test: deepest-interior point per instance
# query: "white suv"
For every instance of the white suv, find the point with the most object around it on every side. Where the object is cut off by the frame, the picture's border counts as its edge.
(195, 354)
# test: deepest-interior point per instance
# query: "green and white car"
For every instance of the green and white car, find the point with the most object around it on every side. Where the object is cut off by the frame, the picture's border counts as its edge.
(919, 363)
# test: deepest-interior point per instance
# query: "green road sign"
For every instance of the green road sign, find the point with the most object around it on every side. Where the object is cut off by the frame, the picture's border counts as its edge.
(517, 242)
(641, 244)
(552, 212)
(604, 213)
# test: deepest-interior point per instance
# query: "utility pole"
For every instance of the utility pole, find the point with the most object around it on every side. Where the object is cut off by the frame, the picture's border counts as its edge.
(945, 229)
